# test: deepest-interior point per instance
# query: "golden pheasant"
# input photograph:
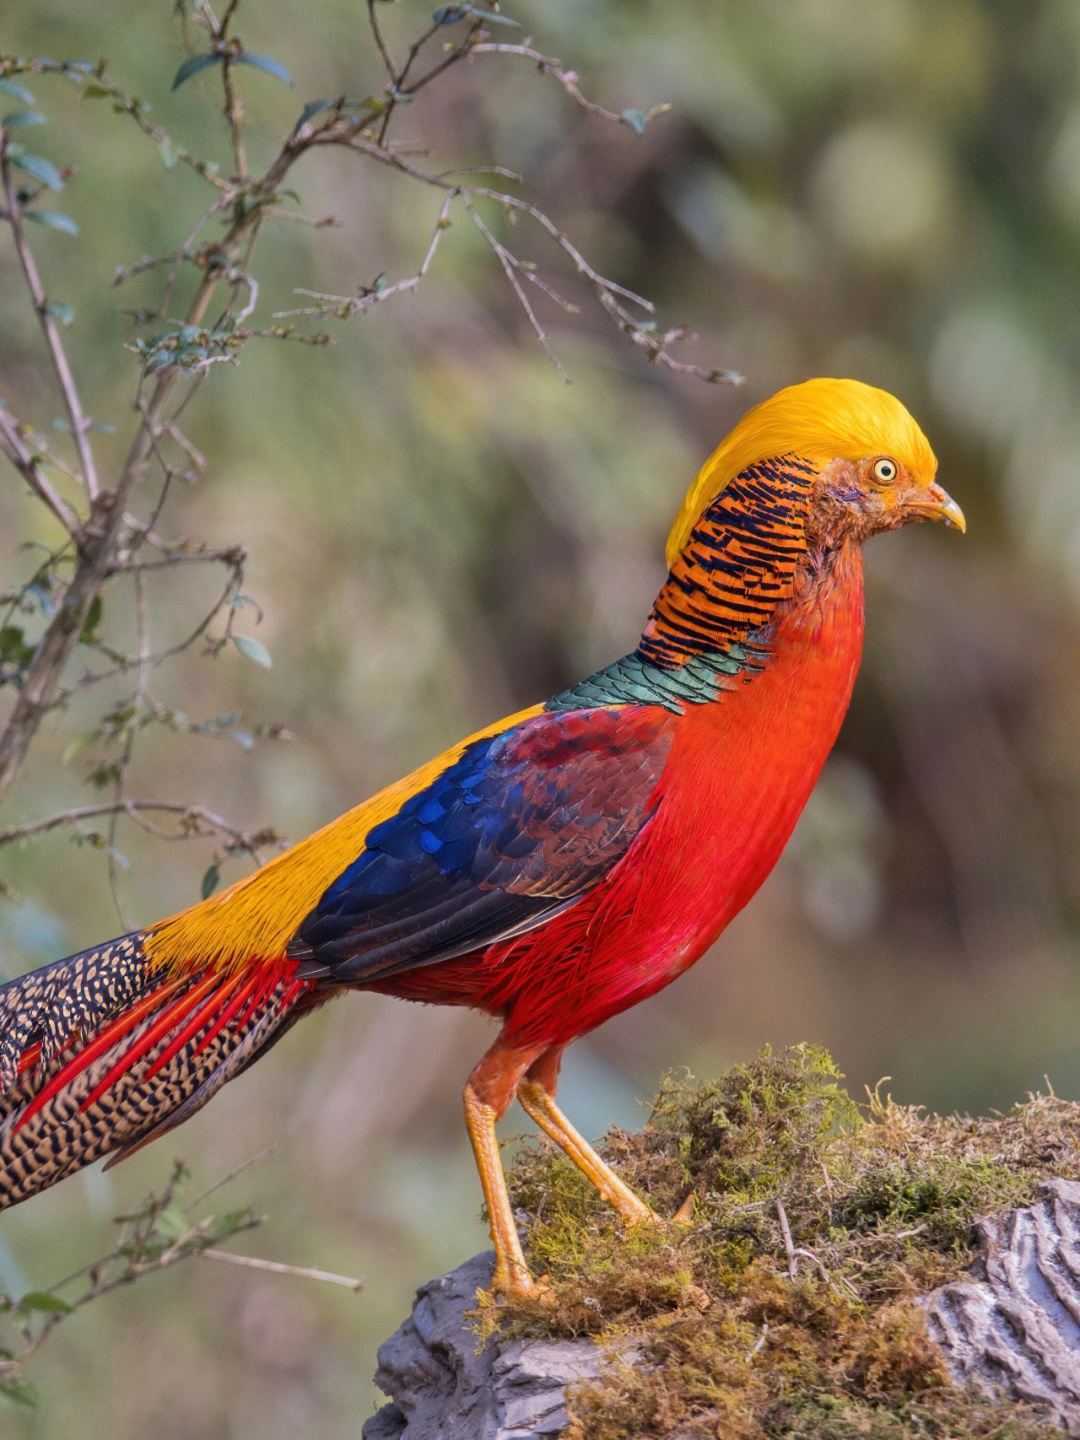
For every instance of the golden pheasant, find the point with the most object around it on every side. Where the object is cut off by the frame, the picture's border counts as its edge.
(553, 869)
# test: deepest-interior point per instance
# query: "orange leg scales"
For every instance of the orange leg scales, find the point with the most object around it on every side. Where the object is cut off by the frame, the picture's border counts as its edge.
(529, 1074)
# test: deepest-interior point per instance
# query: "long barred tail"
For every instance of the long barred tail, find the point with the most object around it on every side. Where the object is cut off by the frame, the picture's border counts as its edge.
(100, 1054)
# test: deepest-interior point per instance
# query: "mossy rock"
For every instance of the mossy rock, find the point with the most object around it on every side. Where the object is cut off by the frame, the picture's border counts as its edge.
(786, 1302)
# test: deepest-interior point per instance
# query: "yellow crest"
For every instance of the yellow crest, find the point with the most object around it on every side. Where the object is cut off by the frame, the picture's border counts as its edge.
(819, 420)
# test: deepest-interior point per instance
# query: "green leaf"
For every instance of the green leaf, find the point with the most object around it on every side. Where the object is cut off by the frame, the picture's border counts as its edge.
(490, 17)
(93, 91)
(20, 1392)
(93, 618)
(193, 65)
(42, 1300)
(55, 221)
(638, 119)
(310, 110)
(253, 649)
(210, 882)
(20, 119)
(12, 644)
(221, 1227)
(172, 1222)
(12, 87)
(38, 168)
(41, 596)
(79, 744)
(451, 14)
(264, 62)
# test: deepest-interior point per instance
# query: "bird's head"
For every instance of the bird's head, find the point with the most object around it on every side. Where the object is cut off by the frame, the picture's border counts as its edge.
(874, 467)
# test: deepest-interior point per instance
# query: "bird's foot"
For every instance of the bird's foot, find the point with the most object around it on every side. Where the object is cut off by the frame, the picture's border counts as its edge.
(513, 1282)
(638, 1213)
(684, 1215)
(630, 1210)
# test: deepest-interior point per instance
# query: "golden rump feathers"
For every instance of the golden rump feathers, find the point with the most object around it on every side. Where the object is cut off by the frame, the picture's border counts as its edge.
(819, 420)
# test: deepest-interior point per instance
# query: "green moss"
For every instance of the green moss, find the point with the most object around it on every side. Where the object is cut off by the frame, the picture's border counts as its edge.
(738, 1329)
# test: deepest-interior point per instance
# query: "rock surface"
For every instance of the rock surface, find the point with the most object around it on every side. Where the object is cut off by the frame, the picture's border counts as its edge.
(443, 1387)
(1014, 1327)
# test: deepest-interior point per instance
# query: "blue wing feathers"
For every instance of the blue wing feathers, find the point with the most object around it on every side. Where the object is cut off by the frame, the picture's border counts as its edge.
(519, 826)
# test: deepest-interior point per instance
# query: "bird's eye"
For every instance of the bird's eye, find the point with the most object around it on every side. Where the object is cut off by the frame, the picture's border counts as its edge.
(885, 470)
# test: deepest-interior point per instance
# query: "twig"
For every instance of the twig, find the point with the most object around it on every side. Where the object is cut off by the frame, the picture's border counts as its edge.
(234, 113)
(203, 555)
(789, 1244)
(233, 1174)
(794, 1252)
(139, 1251)
(276, 1267)
(759, 1344)
(124, 664)
(143, 632)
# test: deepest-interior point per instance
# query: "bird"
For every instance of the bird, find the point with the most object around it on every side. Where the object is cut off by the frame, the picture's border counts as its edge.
(551, 870)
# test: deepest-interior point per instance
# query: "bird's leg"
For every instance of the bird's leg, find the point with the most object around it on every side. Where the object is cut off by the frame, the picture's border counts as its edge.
(488, 1094)
(536, 1094)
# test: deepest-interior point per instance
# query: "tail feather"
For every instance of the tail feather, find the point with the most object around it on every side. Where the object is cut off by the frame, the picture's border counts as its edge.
(268, 1031)
(100, 1053)
(50, 1005)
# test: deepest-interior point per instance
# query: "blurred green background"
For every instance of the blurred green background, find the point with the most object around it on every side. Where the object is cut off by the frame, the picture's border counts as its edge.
(440, 529)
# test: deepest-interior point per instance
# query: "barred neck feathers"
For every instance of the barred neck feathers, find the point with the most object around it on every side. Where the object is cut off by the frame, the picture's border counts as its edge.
(737, 565)
(711, 621)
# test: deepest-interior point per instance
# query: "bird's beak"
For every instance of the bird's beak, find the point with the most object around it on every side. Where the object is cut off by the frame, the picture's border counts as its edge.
(934, 503)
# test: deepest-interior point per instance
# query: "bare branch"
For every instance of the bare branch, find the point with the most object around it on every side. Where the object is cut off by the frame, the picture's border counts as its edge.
(28, 466)
(80, 423)
(101, 549)
(615, 299)
(171, 557)
(234, 114)
(548, 65)
(98, 544)
(380, 43)
(344, 305)
(194, 820)
(511, 265)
